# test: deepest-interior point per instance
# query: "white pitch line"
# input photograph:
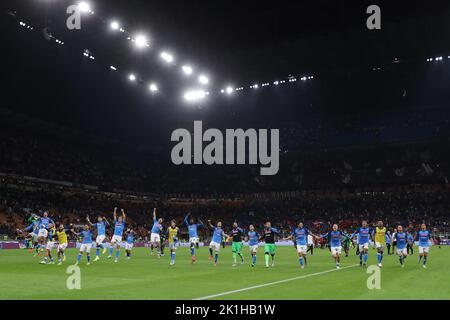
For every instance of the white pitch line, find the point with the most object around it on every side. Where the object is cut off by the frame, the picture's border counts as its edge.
(273, 283)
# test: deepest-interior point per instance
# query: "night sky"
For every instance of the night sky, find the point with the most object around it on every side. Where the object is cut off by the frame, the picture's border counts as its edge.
(236, 42)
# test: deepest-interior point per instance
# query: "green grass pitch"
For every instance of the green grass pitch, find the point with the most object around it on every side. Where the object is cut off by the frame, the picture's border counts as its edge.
(146, 277)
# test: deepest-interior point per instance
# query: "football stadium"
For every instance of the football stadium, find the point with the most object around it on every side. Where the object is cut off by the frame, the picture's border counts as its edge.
(213, 150)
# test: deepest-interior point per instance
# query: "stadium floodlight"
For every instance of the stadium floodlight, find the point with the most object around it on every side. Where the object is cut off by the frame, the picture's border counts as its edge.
(132, 77)
(84, 6)
(153, 87)
(203, 79)
(194, 95)
(115, 25)
(113, 68)
(167, 57)
(187, 70)
(141, 41)
(229, 90)
(276, 83)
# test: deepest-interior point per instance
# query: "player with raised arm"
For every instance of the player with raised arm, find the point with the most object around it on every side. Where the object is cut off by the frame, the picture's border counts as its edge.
(100, 225)
(155, 238)
(62, 244)
(402, 242)
(335, 239)
(300, 234)
(424, 237)
(86, 244)
(269, 239)
(236, 248)
(193, 234)
(119, 227)
(172, 233)
(253, 241)
(44, 222)
(217, 235)
(364, 235)
(130, 238)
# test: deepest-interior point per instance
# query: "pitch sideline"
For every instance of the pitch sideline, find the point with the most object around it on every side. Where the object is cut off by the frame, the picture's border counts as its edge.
(273, 283)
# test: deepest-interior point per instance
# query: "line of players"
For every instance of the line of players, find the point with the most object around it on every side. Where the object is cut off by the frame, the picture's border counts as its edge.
(44, 233)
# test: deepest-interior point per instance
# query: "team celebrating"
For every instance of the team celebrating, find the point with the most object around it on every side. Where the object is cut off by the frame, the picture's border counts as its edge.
(43, 233)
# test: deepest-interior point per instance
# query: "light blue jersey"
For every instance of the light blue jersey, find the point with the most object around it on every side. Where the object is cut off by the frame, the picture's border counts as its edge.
(301, 236)
(335, 238)
(101, 228)
(87, 236)
(192, 228)
(44, 222)
(118, 228)
(401, 240)
(363, 235)
(253, 238)
(217, 235)
(424, 238)
(156, 226)
(130, 237)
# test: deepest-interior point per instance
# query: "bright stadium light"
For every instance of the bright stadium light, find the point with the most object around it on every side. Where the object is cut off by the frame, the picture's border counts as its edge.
(84, 6)
(194, 95)
(115, 25)
(113, 68)
(153, 87)
(229, 90)
(187, 70)
(132, 77)
(141, 41)
(203, 79)
(167, 57)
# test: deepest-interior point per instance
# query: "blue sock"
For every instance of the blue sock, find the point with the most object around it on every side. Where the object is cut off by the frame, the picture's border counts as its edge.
(117, 253)
(89, 258)
(254, 259)
(360, 257)
(381, 257)
(172, 256)
(366, 255)
(192, 251)
(216, 257)
(97, 251)
(79, 257)
(111, 251)
(378, 257)
(301, 261)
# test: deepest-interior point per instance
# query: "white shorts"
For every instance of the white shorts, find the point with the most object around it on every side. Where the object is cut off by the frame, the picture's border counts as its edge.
(363, 246)
(424, 249)
(50, 245)
(86, 247)
(302, 248)
(253, 248)
(62, 246)
(155, 237)
(214, 245)
(194, 240)
(336, 250)
(43, 233)
(173, 246)
(116, 239)
(402, 252)
(379, 245)
(100, 239)
(128, 246)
